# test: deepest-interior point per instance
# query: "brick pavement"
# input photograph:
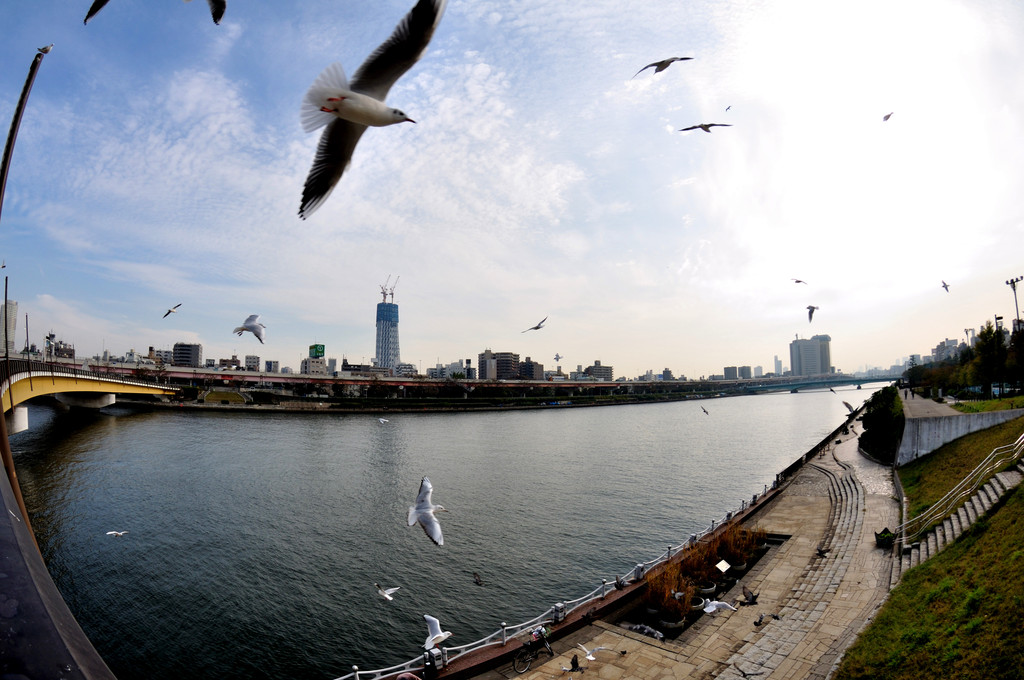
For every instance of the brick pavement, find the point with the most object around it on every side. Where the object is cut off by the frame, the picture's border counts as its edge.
(836, 501)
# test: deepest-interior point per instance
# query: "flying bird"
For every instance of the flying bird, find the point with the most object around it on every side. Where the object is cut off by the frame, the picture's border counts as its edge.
(660, 66)
(831, 390)
(538, 326)
(847, 405)
(748, 597)
(217, 8)
(714, 605)
(822, 552)
(172, 310)
(589, 653)
(705, 411)
(45, 50)
(434, 634)
(383, 420)
(810, 312)
(117, 533)
(706, 127)
(477, 580)
(800, 281)
(347, 108)
(253, 325)
(886, 116)
(746, 674)
(386, 593)
(574, 665)
(423, 513)
(558, 357)
(946, 286)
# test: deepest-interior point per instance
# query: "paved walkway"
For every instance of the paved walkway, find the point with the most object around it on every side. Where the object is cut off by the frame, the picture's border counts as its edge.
(922, 407)
(837, 502)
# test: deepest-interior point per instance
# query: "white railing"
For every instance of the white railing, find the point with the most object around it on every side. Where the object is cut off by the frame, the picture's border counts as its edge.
(1000, 457)
(554, 613)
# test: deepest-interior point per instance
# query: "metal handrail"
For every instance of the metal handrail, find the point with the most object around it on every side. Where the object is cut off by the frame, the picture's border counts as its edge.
(955, 497)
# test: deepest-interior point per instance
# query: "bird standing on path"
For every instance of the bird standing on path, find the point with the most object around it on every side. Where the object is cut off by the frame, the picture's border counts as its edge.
(434, 634)
(253, 325)
(706, 127)
(810, 312)
(172, 310)
(538, 326)
(423, 513)
(822, 552)
(660, 66)
(386, 593)
(347, 108)
(749, 597)
(574, 665)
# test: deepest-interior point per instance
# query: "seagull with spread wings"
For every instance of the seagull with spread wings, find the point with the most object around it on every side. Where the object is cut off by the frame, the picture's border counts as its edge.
(538, 326)
(253, 325)
(172, 310)
(217, 8)
(348, 107)
(706, 127)
(660, 66)
(422, 513)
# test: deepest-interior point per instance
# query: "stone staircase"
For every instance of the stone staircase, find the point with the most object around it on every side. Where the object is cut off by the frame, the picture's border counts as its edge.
(984, 499)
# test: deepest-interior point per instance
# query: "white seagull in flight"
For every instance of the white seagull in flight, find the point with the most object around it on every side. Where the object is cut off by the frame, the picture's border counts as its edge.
(217, 8)
(589, 653)
(660, 66)
(423, 513)
(172, 310)
(253, 325)
(386, 593)
(347, 108)
(715, 605)
(434, 634)
(538, 326)
(117, 533)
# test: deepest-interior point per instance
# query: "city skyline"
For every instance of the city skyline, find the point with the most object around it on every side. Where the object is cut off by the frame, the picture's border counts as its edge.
(161, 161)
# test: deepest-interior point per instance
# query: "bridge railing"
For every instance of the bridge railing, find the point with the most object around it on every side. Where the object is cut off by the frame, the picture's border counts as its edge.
(1000, 457)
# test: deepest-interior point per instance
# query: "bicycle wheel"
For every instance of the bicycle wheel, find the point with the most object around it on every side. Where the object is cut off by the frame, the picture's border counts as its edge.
(523, 658)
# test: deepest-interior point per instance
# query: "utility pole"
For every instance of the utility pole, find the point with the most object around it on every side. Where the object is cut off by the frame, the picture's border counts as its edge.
(1012, 283)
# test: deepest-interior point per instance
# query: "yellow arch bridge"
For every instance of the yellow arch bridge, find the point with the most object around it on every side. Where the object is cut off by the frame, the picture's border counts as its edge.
(22, 380)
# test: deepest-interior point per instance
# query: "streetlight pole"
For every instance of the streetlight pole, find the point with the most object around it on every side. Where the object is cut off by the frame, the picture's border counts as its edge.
(1012, 283)
(16, 123)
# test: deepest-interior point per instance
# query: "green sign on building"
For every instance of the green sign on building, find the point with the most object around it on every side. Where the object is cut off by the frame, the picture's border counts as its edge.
(316, 351)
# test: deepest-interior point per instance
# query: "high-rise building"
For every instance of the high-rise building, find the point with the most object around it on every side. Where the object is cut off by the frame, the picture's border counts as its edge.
(778, 366)
(731, 372)
(187, 354)
(387, 332)
(811, 357)
(9, 320)
(745, 373)
(498, 365)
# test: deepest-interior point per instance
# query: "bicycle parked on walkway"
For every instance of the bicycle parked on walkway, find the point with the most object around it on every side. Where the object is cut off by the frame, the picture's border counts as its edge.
(531, 649)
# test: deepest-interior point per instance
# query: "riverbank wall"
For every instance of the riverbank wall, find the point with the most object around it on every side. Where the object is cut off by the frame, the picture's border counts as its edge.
(921, 436)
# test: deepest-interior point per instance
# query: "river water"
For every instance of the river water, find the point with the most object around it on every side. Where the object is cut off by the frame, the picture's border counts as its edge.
(255, 539)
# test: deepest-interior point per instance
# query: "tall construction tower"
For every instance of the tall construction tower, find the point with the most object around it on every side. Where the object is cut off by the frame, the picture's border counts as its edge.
(387, 327)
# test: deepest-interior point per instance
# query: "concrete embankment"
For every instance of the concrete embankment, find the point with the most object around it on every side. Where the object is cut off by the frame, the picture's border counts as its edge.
(930, 425)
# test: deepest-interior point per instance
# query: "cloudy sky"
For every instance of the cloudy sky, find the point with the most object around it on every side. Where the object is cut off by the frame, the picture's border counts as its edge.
(161, 160)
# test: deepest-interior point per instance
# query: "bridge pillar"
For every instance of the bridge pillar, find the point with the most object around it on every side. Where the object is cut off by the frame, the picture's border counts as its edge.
(17, 419)
(85, 399)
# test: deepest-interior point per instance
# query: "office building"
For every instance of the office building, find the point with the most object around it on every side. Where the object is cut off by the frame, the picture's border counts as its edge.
(187, 354)
(252, 362)
(498, 365)
(731, 373)
(272, 366)
(811, 357)
(599, 372)
(9, 320)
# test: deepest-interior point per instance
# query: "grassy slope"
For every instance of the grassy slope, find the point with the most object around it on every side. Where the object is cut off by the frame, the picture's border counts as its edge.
(927, 479)
(961, 613)
(989, 405)
(958, 615)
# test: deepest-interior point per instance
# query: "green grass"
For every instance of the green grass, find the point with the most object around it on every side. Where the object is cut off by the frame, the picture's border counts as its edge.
(958, 615)
(927, 479)
(989, 405)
